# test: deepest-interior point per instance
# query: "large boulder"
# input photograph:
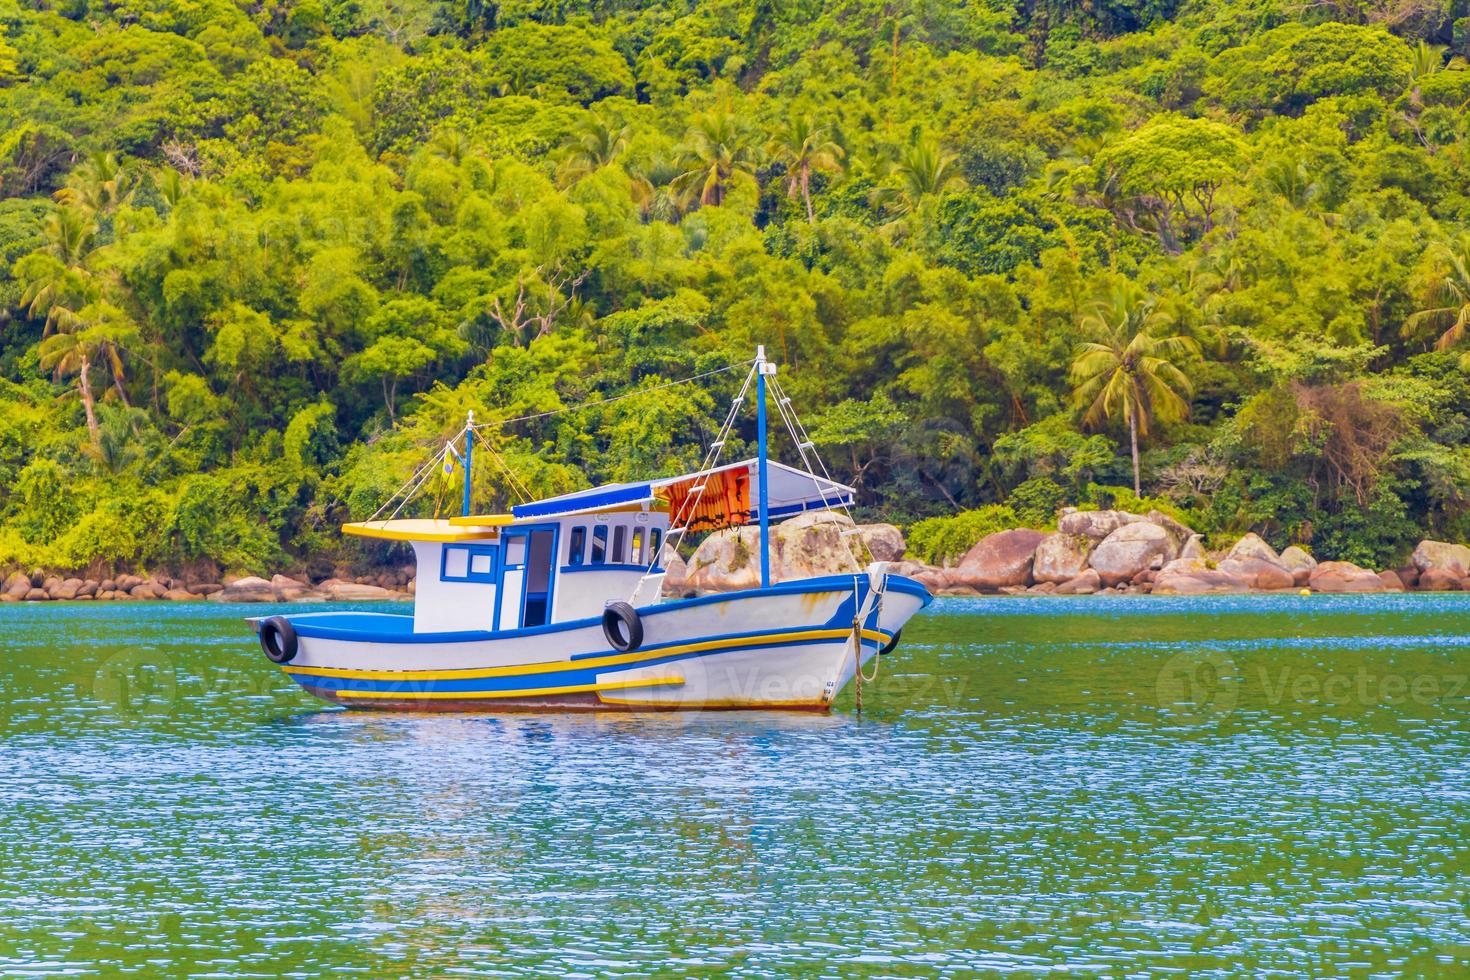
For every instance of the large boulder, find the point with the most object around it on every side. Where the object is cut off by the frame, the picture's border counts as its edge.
(999, 560)
(1084, 584)
(932, 577)
(1442, 555)
(247, 589)
(1130, 549)
(1180, 532)
(676, 572)
(1095, 524)
(1258, 573)
(17, 584)
(1344, 576)
(341, 591)
(1253, 546)
(1300, 564)
(1438, 580)
(1190, 576)
(289, 589)
(1194, 548)
(1061, 557)
(818, 543)
(66, 589)
(884, 541)
(1391, 581)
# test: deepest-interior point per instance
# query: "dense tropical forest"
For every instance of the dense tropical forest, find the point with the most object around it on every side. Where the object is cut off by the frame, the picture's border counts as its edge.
(258, 258)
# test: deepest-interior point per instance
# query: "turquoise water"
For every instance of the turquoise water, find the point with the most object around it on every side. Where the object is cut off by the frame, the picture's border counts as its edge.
(1102, 786)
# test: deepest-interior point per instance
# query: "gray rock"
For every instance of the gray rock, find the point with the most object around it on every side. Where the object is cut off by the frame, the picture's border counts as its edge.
(1300, 564)
(339, 591)
(1194, 548)
(247, 589)
(1442, 555)
(1253, 546)
(1095, 524)
(884, 541)
(1061, 557)
(1131, 549)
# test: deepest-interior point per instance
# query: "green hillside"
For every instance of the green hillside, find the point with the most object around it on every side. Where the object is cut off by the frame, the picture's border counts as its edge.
(257, 259)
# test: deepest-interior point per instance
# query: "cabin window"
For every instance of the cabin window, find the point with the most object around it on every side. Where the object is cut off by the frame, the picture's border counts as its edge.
(599, 546)
(620, 543)
(655, 547)
(577, 546)
(637, 552)
(468, 563)
(515, 550)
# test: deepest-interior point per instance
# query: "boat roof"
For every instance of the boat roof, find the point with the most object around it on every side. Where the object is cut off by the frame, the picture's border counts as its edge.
(788, 491)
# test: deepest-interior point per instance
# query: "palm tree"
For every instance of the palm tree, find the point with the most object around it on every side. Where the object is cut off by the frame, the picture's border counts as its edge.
(1446, 293)
(653, 190)
(804, 145)
(923, 167)
(1126, 369)
(100, 185)
(596, 143)
(95, 333)
(718, 146)
(55, 280)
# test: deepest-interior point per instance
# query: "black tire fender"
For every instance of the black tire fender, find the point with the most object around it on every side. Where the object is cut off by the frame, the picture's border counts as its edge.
(891, 645)
(622, 626)
(278, 640)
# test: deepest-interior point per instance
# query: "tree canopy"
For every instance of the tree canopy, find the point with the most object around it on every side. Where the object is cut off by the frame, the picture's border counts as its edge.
(258, 259)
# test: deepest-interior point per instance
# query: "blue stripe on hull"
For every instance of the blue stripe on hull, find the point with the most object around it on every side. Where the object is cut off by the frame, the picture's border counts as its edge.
(571, 677)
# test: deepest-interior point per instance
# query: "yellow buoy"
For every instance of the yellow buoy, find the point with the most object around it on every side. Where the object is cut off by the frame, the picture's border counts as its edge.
(1305, 592)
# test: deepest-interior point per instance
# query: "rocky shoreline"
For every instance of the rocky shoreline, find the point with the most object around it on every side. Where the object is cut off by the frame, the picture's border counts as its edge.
(38, 586)
(1103, 551)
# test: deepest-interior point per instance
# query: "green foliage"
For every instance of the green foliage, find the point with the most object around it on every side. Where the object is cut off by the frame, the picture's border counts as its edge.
(291, 245)
(1037, 500)
(942, 540)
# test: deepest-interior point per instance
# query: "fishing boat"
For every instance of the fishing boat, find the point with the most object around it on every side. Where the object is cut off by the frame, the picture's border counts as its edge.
(559, 605)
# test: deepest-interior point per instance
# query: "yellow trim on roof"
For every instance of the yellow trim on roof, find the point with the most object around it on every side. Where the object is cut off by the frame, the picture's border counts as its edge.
(482, 520)
(418, 529)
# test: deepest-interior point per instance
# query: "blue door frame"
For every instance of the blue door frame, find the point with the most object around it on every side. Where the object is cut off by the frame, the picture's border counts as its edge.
(525, 532)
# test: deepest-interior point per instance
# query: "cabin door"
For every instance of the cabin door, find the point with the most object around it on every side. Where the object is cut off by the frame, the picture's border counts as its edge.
(526, 576)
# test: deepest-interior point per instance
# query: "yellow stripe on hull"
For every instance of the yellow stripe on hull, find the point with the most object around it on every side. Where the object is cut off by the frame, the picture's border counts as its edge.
(557, 666)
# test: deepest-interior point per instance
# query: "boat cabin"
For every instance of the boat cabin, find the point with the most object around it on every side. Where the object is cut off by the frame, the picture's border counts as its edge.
(564, 558)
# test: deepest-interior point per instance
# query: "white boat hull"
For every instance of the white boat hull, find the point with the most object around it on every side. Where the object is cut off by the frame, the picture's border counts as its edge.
(790, 646)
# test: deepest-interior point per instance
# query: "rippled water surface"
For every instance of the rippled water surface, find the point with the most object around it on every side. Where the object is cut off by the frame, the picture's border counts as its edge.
(1110, 787)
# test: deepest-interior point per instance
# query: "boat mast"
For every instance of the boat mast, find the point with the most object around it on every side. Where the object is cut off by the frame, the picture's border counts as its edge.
(469, 449)
(761, 370)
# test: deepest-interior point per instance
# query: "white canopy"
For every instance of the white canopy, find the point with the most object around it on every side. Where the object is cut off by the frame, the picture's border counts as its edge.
(789, 491)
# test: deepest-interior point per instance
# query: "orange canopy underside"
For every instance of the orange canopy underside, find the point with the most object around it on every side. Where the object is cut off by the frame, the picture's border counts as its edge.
(724, 502)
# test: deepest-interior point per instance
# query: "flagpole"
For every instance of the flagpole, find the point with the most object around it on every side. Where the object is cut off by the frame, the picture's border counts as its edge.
(761, 369)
